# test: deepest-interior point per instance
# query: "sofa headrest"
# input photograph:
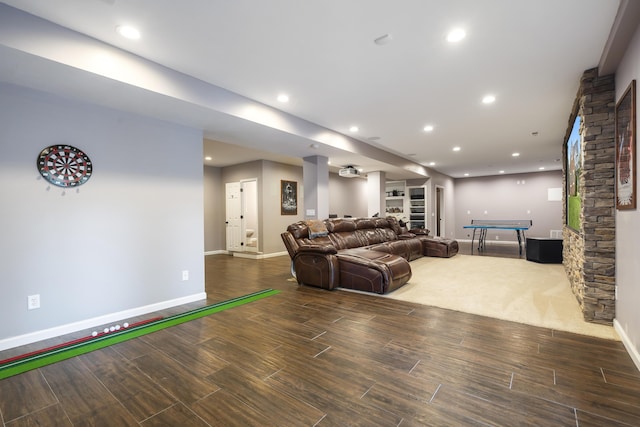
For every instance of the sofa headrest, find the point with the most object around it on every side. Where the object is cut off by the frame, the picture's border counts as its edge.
(340, 224)
(381, 223)
(299, 230)
(364, 223)
(393, 223)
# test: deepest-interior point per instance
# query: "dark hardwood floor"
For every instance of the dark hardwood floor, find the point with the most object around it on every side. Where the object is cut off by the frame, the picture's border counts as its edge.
(309, 357)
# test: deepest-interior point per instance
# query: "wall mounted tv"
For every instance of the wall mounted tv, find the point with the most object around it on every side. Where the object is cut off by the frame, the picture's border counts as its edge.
(574, 164)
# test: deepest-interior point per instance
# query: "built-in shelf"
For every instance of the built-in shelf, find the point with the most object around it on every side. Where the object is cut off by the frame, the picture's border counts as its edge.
(407, 203)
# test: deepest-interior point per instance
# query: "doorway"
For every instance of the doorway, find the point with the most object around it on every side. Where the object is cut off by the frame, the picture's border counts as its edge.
(440, 222)
(241, 209)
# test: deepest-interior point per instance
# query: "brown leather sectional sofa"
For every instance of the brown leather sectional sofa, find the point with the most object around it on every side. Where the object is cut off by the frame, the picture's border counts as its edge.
(366, 254)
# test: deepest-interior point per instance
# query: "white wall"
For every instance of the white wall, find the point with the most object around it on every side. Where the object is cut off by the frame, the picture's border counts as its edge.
(116, 244)
(628, 229)
(517, 196)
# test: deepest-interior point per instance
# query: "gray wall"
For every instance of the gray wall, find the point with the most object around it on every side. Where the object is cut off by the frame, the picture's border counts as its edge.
(628, 230)
(116, 244)
(214, 209)
(517, 196)
(347, 196)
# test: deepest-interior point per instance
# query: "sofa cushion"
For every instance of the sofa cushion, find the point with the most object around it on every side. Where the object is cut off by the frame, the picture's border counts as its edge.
(372, 271)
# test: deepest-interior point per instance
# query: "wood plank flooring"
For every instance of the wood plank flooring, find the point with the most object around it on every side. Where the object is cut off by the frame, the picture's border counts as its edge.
(310, 357)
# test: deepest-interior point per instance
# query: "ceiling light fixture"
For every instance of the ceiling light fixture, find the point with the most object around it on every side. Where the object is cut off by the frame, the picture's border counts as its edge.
(541, 168)
(208, 158)
(456, 148)
(432, 163)
(283, 97)
(466, 174)
(501, 172)
(456, 35)
(515, 154)
(354, 129)
(489, 99)
(383, 39)
(428, 128)
(128, 32)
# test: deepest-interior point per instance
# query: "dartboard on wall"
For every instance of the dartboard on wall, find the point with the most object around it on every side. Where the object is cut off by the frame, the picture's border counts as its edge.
(64, 166)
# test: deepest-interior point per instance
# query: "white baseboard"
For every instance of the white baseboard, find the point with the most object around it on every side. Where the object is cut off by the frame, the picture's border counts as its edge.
(258, 255)
(491, 242)
(96, 321)
(218, 252)
(631, 349)
(251, 255)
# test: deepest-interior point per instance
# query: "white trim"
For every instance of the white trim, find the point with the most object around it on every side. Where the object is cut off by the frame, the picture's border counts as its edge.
(492, 242)
(218, 252)
(259, 255)
(631, 349)
(249, 255)
(96, 321)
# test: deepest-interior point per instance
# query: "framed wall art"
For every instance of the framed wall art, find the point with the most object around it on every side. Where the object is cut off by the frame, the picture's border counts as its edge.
(626, 149)
(288, 197)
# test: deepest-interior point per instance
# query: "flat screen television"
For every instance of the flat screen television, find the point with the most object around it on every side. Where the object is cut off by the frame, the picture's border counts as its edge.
(573, 167)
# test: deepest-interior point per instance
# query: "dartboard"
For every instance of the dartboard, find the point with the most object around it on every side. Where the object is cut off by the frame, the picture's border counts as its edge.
(64, 165)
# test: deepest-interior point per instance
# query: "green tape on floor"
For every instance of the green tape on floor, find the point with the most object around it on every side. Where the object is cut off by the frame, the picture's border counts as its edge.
(48, 357)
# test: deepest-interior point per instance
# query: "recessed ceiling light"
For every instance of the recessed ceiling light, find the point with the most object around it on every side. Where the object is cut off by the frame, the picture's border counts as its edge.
(541, 168)
(208, 158)
(501, 171)
(354, 129)
(515, 154)
(128, 32)
(456, 35)
(283, 97)
(432, 163)
(456, 148)
(466, 174)
(428, 128)
(489, 99)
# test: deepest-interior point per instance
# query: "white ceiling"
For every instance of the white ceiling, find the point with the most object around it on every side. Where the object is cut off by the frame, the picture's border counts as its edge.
(529, 54)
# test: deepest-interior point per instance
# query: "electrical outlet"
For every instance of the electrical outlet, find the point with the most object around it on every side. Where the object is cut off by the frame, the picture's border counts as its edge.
(185, 275)
(33, 301)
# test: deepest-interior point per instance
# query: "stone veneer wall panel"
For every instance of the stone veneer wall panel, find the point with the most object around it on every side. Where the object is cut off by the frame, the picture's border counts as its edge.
(589, 254)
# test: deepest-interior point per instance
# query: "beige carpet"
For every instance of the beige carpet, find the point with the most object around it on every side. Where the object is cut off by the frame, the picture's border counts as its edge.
(504, 288)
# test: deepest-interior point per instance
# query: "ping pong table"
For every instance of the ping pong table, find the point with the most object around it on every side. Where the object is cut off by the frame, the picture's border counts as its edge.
(482, 225)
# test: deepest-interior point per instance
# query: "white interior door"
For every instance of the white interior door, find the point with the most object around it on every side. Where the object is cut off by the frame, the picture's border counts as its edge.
(233, 208)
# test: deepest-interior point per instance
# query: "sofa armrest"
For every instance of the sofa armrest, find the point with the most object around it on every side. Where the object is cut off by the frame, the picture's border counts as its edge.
(318, 249)
(406, 236)
(317, 269)
(420, 231)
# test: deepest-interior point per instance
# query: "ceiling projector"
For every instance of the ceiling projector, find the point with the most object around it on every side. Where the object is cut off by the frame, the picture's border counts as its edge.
(349, 172)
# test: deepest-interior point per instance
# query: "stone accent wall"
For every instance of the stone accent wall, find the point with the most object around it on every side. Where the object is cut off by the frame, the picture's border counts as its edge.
(589, 254)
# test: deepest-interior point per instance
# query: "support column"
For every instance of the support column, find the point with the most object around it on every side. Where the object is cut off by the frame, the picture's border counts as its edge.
(315, 176)
(376, 194)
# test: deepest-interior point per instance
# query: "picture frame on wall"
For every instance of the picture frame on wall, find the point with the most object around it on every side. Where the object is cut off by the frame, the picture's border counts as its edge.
(288, 197)
(626, 149)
